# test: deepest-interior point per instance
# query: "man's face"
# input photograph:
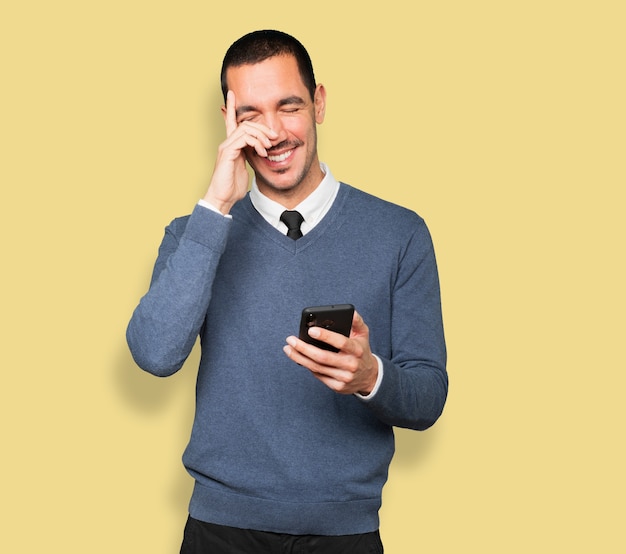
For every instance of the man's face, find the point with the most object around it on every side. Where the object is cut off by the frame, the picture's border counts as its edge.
(272, 93)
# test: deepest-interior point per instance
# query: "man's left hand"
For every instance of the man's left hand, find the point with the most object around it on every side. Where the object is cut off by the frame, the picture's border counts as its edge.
(353, 369)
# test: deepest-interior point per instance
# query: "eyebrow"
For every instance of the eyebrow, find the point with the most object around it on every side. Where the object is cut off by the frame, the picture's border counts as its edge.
(289, 100)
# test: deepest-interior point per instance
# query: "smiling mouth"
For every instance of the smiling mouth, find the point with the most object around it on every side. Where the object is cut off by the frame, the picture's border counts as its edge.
(280, 157)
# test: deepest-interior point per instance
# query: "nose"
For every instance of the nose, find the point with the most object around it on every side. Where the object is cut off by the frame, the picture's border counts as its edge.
(274, 122)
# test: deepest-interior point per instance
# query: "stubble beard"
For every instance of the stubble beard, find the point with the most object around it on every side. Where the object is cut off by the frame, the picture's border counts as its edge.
(281, 189)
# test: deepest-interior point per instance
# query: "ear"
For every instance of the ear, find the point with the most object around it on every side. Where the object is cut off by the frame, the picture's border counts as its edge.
(319, 103)
(224, 112)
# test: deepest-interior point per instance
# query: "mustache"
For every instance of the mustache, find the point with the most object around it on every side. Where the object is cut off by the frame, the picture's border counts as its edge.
(285, 144)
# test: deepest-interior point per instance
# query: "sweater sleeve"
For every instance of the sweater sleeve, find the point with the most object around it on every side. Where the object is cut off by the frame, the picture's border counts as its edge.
(414, 387)
(166, 323)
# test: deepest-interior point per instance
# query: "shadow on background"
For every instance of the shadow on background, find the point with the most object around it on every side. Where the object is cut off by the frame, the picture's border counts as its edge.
(145, 393)
(148, 395)
(414, 447)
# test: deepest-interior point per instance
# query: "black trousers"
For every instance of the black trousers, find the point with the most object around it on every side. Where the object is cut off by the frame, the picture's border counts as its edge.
(208, 538)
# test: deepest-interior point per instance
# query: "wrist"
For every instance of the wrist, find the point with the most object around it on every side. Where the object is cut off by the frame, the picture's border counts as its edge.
(218, 204)
(373, 378)
(377, 377)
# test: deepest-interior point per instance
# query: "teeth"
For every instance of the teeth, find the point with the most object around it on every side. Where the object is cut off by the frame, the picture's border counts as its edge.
(281, 157)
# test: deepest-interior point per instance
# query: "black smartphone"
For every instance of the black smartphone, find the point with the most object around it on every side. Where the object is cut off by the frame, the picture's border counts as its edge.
(335, 317)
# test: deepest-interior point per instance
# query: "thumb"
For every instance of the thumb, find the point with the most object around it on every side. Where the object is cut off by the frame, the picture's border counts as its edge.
(358, 325)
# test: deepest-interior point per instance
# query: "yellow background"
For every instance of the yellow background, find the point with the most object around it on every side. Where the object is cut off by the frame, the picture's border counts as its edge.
(501, 123)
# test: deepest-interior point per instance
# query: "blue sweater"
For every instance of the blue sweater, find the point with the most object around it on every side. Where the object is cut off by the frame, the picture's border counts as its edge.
(271, 447)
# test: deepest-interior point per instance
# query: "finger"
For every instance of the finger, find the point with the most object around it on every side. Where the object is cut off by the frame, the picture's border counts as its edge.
(322, 365)
(244, 137)
(329, 337)
(252, 134)
(231, 113)
(325, 374)
(359, 328)
(254, 139)
(260, 131)
(334, 378)
(310, 356)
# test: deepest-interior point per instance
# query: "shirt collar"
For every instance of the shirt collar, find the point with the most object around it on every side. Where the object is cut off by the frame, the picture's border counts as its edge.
(313, 208)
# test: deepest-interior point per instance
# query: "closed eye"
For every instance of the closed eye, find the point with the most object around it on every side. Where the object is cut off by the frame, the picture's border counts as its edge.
(291, 104)
(245, 118)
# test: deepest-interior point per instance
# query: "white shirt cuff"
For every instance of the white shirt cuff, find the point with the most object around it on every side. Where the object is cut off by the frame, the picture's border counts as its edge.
(211, 207)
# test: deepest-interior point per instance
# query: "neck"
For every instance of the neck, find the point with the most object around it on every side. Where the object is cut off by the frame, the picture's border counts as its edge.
(290, 197)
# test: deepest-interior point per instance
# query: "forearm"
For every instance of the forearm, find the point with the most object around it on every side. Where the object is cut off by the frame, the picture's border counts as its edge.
(165, 324)
(411, 398)
(414, 386)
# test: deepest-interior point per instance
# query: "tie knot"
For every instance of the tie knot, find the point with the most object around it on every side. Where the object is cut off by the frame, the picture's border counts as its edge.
(293, 220)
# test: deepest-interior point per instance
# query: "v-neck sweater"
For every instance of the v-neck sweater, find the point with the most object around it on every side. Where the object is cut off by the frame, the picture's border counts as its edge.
(272, 448)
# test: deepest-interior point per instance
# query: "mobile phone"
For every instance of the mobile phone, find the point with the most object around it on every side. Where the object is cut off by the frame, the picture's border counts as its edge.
(334, 317)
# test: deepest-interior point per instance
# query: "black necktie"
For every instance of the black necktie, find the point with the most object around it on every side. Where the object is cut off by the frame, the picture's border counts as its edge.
(293, 220)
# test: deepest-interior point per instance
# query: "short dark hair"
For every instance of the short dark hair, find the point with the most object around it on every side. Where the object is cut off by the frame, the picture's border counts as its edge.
(259, 46)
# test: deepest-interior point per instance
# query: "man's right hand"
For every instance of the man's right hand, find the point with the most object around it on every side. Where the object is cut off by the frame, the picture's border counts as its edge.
(229, 182)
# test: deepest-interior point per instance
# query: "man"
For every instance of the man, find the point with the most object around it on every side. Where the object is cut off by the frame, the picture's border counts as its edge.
(291, 443)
